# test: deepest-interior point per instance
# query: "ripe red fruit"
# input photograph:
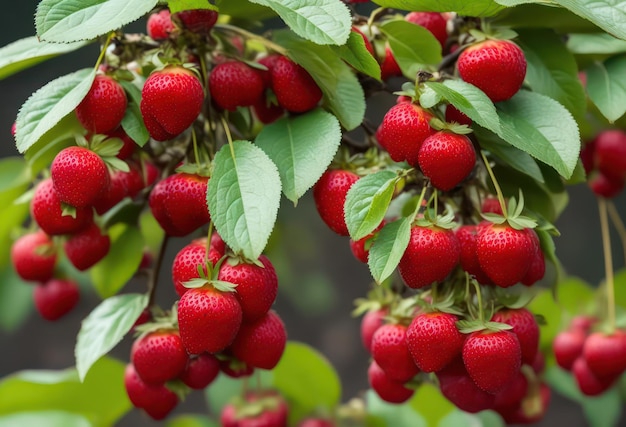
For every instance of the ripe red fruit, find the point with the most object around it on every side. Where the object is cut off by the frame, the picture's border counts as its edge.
(160, 25)
(235, 368)
(492, 359)
(530, 410)
(47, 212)
(104, 106)
(158, 356)
(457, 386)
(199, 21)
(504, 253)
(79, 176)
(605, 354)
(208, 319)
(371, 321)
(389, 66)
(261, 344)
(537, 268)
(178, 203)
(295, 89)
(610, 154)
(256, 289)
(200, 371)
(187, 260)
(128, 149)
(266, 408)
(85, 248)
(433, 22)
(453, 115)
(525, 327)
(34, 256)
(235, 84)
(588, 382)
(513, 394)
(171, 100)
(391, 352)
(466, 235)
(158, 401)
(446, 158)
(55, 298)
(567, 347)
(497, 67)
(329, 194)
(403, 130)
(582, 323)
(431, 255)
(388, 390)
(491, 205)
(604, 186)
(434, 340)
(267, 113)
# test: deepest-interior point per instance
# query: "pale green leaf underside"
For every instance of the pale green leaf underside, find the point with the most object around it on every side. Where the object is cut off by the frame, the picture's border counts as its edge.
(105, 327)
(44, 419)
(595, 43)
(356, 54)
(302, 147)
(48, 105)
(321, 21)
(413, 46)
(462, 7)
(606, 86)
(179, 5)
(388, 248)
(64, 21)
(243, 197)
(609, 15)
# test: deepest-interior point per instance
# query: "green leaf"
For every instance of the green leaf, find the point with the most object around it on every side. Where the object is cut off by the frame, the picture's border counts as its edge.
(30, 51)
(460, 418)
(542, 15)
(16, 298)
(101, 398)
(302, 147)
(44, 419)
(388, 248)
(563, 383)
(393, 415)
(105, 327)
(49, 105)
(604, 410)
(132, 123)
(320, 21)
(307, 380)
(543, 128)
(343, 94)
(606, 87)
(13, 173)
(225, 388)
(595, 43)
(620, 287)
(430, 404)
(356, 54)
(243, 9)
(470, 100)
(552, 69)
(151, 231)
(243, 197)
(180, 5)
(121, 263)
(544, 305)
(609, 15)
(367, 202)
(462, 7)
(413, 46)
(64, 21)
(574, 295)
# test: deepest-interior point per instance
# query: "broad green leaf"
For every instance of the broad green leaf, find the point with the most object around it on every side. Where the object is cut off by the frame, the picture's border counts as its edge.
(511, 3)
(388, 248)
(620, 287)
(595, 43)
(460, 418)
(543, 15)
(469, 100)
(320, 21)
(151, 231)
(132, 123)
(30, 51)
(191, 421)
(393, 415)
(609, 15)
(431, 404)
(105, 327)
(574, 295)
(101, 398)
(356, 54)
(563, 383)
(606, 86)
(543, 128)
(16, 298)
(44, 419)
(49, 105)
(343, 94)
(180, 5)
(307, 380)
(121, 263)
(64, 21)
(414, 47)
(552, 69)
(462, 7)
(302, 147)
(243, 197)
(545, 305)
(13, 173)
(604, 410)
(243, 9)
(367, 202)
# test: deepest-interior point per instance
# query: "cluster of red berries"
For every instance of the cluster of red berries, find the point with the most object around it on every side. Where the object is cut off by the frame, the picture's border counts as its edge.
(604, 159)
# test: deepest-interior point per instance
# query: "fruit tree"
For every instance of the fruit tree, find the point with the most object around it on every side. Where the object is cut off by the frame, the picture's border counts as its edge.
(437, 143)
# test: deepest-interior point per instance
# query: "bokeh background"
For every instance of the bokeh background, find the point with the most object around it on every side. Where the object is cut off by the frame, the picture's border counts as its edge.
(319, 278)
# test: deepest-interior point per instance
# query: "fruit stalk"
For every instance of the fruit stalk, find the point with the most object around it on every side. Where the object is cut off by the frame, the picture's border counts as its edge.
(608, 263)
(103, 50)
(154, 276)
(619, 225)
(229, 137)
(248, 35)
(495, 184)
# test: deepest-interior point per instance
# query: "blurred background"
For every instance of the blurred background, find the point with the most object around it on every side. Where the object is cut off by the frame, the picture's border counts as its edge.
(318, 276)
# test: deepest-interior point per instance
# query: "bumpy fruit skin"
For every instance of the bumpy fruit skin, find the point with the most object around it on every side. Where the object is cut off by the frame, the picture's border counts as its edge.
(457, 386)
(431, 255)
(391, 352)
(85, 248)
(389, 66)
(388, 390)
(79, 176)
(403, 130)
(453, 115)
(55, 298)
(497, 67)
(433, 22)
(187, 260)
(158, 357)
(513, 394)
(605, 354)
(588, 382)
(492, 359)
(199, 21)
(104, 106)
(208, 319)
(434, 341)
(295, 89)
(537, 268)
(33, 257)
(256, 289)
(160, 25)
(329, 194)
(261, 344)
(157, 401)
(446, 158)
(466, 235)
(567, 347)
(171, 100)
(46, 210)
(371, 321)
(200, 371)
(235, 84)
(525, 327)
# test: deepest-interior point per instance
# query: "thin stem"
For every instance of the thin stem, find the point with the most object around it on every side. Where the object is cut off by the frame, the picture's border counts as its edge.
(495, 184)
(154, 278)
(419, 204)
(247, 34)
(208, 243)
(194, 140)
(479, 296)
(229, 137)
(619, 225)
(103, 51)
(608, 263)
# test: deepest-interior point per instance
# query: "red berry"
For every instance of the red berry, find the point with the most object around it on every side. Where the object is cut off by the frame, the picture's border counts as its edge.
(446, 158)
(261, 344)
(160, 25)
(491, 205)
(434, 340)
(391, 352)
(199, 21)
(525, 327)
(457, 386)
(389, 66)
(497, 67)
(235, 368)
(235, 84)
(158, 401)
(537, 268)
(187, 260)
(259, 409)
(295, 89)
(605, 186)
(610, 154)
(567, 347)
(158, 356)
(104, 106)
(466, 235)
(55, 298)
(34, 256)
(530, 410)
(329, 194)
(588, 382)
(388, 390)
(513, 393)
(605, 354)
(200, 371)
(371, 321)
(267, 113)
(433, 22)
(85, 248)
(47, 212)
(453, 115)
(129, 147)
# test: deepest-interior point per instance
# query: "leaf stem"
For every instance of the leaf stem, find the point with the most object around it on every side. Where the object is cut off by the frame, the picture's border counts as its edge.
(208, 242)
(194, 140)
(479, 297)
(419, 204)
(154, 277)
(103, 51)
(229, 137)
(608, 263)
(619, 225)
(495, 184)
